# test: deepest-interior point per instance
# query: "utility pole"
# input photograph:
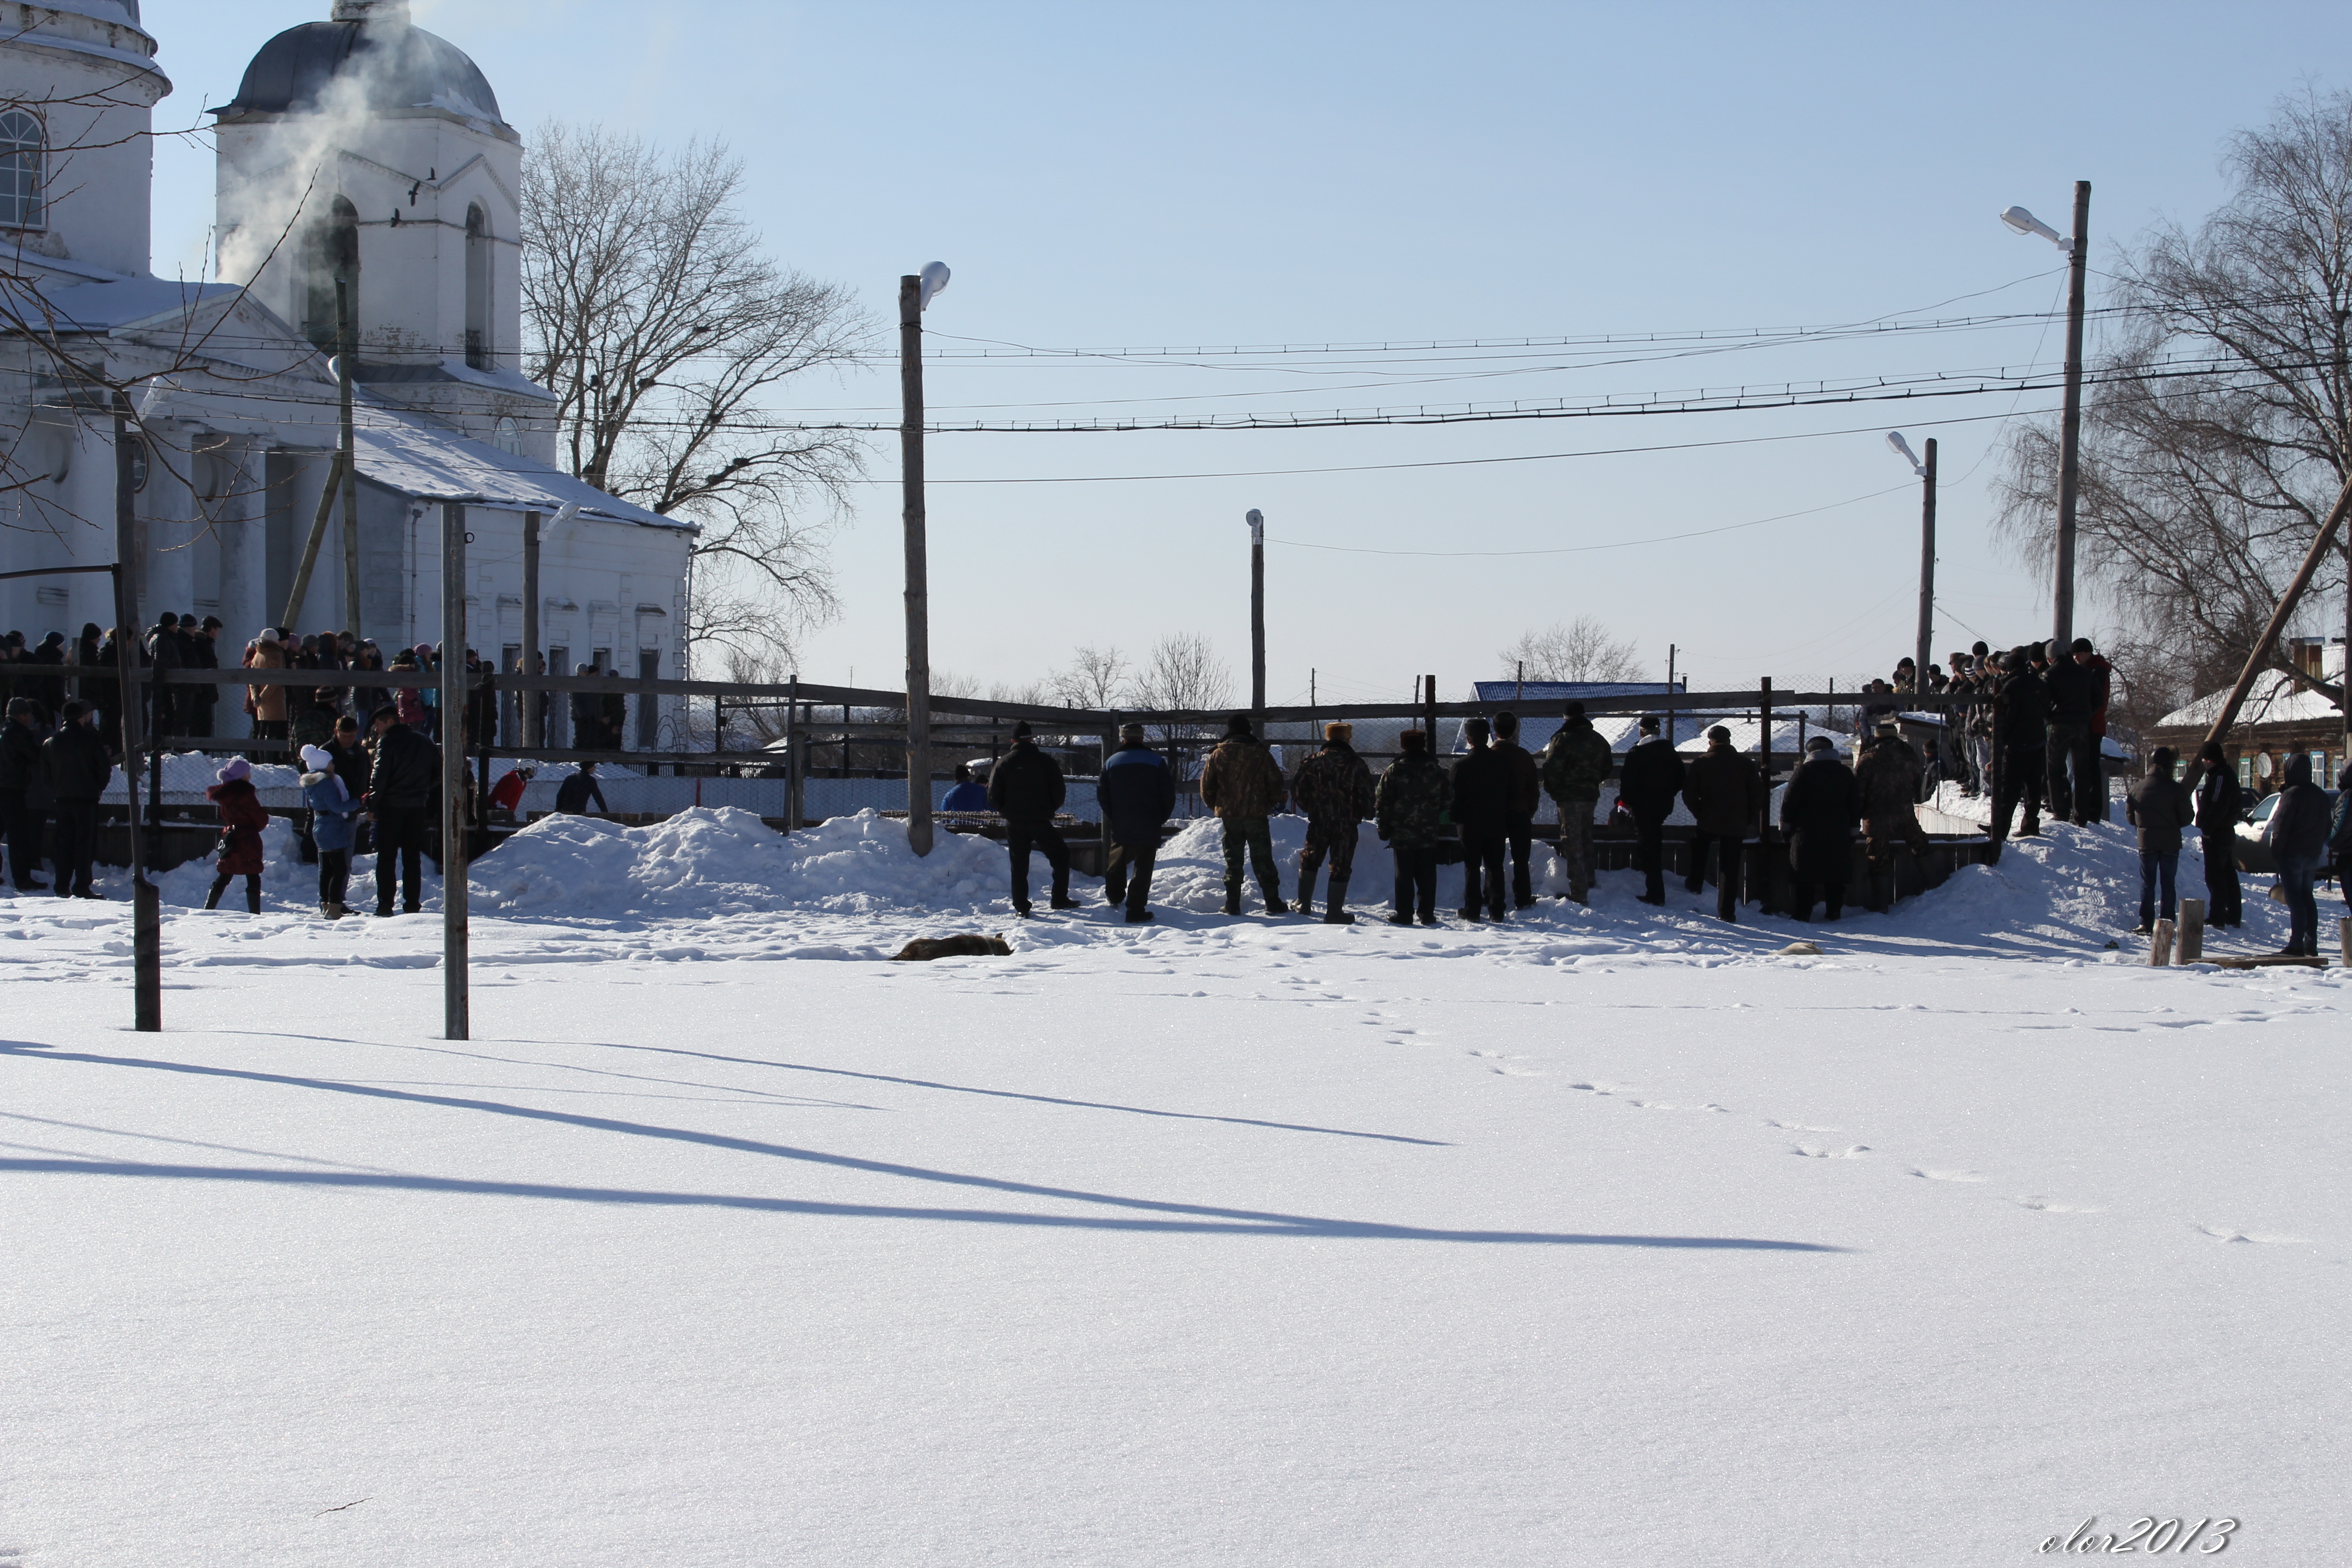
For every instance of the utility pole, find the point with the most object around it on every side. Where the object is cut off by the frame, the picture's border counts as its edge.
(146, 900)
(919, 603)
(455, 1023)
(1671, 738)
(2070, 442)
(1256, 521)
(348, 336)
(531, 700)
(1927, 564)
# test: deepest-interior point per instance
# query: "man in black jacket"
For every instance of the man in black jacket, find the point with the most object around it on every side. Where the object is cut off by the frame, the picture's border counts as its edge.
(1025, 788)
(403, 778)
(79, 769)
(1482, 801)
(24, 779)
(1523, 795)
(2074, 691)
(1817, 814)
(204, 653)
(2159, 806)
(165, 651)
(1648, 783)
(2021, 742)
(2220, 806)
(1135, 793)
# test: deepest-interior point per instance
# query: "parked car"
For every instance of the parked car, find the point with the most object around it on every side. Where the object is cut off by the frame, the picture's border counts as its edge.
(2253, 855)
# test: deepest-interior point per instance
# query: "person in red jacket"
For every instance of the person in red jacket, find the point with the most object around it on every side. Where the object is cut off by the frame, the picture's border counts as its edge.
(242, 819)
(506, 793)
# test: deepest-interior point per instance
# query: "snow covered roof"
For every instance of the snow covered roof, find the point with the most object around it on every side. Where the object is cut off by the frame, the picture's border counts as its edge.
(103, 307)
(2273, 698)
(439, 465)
(1561, 691)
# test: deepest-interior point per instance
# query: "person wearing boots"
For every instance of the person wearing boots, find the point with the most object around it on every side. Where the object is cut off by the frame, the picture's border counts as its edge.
(2020, 744)
(1646, 787)
(1524, 793)
(1574, 764)
(242, 820)
(79, 770)
(23, 793)
(1726, 798)
(1025, 788)
(404, 776)
(2160, 806)
(1482, 798)
(1334, 789)
(1410, 808)
(1241, 784)
(1817, 815)
(1135, 793)
(333, 807)
(1889, 776)
(2220, 806)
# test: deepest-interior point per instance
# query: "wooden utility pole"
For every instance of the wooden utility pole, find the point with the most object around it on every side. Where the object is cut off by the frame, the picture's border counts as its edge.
(918, 601)
(2070, 436)
(1671, 739)
(348, 335)
(309, 561)
(1926, 567)
(146, 902)
(1256, 521)
(456, 1021)
(531, 700)
(2260, 655)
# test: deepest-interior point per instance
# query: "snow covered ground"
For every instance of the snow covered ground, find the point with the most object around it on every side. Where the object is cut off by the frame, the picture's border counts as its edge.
(1609, 1237)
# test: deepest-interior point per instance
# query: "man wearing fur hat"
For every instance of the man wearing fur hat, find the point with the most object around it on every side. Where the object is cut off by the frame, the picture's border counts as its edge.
(1242, 784)
(1334, 789)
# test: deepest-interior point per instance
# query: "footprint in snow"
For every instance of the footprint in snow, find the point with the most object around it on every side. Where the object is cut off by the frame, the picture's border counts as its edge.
(2052, 1205)
(2224, 1233)
(1810, 1151)
(1946, 1175)
(1604, 1087)
(1801, 1127)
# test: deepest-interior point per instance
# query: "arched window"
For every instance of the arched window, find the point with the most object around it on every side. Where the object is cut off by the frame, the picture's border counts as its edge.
(506, 436)
(477, 289)
(330, 253)
(22, 146)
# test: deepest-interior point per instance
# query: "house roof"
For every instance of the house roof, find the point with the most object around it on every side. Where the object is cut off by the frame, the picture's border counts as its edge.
(2273, 698)
(440, 465)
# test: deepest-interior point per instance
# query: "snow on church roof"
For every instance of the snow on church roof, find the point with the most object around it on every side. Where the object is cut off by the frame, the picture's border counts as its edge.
(439, 465)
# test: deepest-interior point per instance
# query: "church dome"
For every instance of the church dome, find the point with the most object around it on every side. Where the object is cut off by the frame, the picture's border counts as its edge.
(402, 66)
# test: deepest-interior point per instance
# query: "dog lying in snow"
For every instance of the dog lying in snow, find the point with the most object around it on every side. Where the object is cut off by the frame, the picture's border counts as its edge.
(923, 948)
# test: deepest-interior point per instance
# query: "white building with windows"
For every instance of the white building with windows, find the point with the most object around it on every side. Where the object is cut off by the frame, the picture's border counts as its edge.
(362, 160)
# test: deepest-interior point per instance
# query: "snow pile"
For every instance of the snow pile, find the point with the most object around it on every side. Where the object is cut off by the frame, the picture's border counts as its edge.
(286, 880)
(713, 861)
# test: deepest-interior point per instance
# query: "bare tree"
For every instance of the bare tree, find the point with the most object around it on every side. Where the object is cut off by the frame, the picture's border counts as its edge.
(1582, 649)
(1095, 679)
(2219, 428)
(1183, 670)
(663, 328)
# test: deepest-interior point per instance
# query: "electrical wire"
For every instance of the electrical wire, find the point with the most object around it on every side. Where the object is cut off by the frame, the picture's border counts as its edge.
(1586, 549)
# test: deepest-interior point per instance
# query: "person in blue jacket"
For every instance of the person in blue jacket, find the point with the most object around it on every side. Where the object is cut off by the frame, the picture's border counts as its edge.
(1135, 793)
(332, 807)
(969, 794)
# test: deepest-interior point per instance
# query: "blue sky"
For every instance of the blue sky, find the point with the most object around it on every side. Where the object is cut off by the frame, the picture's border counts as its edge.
(1208, 175)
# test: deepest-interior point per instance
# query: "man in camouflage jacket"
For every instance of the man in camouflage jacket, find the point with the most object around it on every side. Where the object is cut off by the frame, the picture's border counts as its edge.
(1888, 775)
(1334, 789)
(1241, 784)
(1410, 807)
(1575, 764)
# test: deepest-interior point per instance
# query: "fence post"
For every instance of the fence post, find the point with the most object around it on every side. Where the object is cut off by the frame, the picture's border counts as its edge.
(455, 1023)
(793, 757)
(146, 900)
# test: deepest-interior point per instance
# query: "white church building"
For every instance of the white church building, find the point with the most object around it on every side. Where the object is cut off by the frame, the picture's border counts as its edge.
(361, 151)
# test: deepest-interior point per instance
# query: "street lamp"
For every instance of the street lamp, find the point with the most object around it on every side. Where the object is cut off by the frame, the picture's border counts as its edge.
(1927, 472)
(2070, 438)
(1256, 521)
(915, 291)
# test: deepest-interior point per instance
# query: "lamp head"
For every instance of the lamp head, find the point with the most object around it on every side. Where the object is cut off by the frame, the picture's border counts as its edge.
(1256, 521)
(1902, 449)
(2022, 222)
(935, 278)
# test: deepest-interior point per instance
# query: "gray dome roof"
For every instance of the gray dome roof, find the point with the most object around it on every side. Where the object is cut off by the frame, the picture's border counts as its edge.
(407, 68)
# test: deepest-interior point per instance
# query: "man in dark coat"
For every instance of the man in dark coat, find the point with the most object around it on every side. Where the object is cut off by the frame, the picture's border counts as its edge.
(23, 793)
(204, 653)
(1651, 779)
(2076, 697)
(1726, 797)
(2297, 833)
(2159, 806)
(165, 651)
(1135, 793)
(404, 776)
(2220, 806)
(1243, 785)
(588, 717)
(46, 684)
(79, 769)
(573, 796)
(1410, 808)
(1574, 764)
(1482, 804)
(1025, 788)
(1334, 789)
(1817, 814)
(1525, 795)
(2020, 747)
(1889, 776)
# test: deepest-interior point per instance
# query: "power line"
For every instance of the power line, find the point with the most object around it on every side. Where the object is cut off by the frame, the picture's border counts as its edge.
(1617, 544)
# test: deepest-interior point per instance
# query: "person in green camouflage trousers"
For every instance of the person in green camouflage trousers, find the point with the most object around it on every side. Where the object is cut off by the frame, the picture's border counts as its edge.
(1334, 789)
(1243, 785)
(1575, 764)
(1410, 807)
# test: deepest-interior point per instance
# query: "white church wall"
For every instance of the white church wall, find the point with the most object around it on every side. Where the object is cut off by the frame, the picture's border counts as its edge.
(101, 159)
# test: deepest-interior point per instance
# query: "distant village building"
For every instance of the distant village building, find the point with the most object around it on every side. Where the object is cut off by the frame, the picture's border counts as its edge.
(2281, 716)
(413, 211)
